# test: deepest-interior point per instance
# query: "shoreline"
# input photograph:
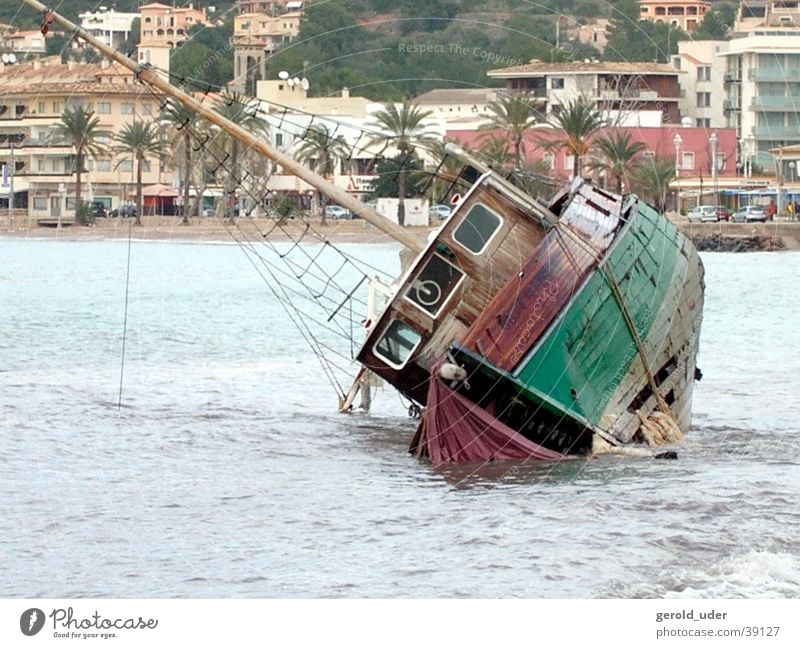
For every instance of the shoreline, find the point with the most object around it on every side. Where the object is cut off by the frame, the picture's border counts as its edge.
(775, 236)
(205, 230)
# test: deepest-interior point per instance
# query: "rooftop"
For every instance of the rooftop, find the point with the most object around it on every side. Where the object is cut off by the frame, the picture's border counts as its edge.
(539, 68)
(457, 96)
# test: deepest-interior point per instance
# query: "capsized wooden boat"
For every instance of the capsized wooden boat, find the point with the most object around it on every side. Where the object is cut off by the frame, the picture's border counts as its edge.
(537, 332)
(524, 331)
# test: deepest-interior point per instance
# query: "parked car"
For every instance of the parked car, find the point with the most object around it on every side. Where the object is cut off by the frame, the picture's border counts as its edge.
(704, 214)
(123, 211)
(723, 214)
(750, 214)
(439, 211)
(99, 209)
(337, 212)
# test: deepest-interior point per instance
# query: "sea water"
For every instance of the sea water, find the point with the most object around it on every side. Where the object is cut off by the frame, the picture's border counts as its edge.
(225, 471)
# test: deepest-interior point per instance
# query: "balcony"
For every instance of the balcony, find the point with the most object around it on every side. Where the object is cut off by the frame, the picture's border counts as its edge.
(782, 104)
(791, 133)
(732, 76)
(774, 74)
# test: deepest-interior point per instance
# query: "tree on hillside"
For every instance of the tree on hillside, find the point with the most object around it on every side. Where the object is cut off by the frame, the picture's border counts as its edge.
(576, 124)
(616, 155)
(717, 23)
(206, 56)
(80, 129)
(631, 39)
(404, 129)
(515, 116)
(140, 140)
(322, 151)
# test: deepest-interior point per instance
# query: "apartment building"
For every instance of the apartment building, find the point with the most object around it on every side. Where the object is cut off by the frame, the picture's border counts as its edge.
(762, 80)
(161, 23)
(686, 15)
(22, 43)
(108, 25)
(703, 97)
(625, 91)
(267, 7)
(256, 36)
(35, 96)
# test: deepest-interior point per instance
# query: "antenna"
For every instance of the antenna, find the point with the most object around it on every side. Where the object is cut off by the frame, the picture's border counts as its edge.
(283, 75)
(5, 58)
(12, 58)
(304, 83)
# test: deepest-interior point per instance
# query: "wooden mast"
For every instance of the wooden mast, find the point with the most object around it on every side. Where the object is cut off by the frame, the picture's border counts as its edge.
(149, 75)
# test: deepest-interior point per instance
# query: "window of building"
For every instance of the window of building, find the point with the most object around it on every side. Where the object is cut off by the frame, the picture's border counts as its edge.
(40, 203)
(148, 20)
(703, 122)
(704, 73)
(557, 83)
(126, 166)
(103, 166)
(104, 108)
(41, 108)
(687, 164)
(397, 344)
(147, 109)
(56, 107)
(127, 108)
(146, 166)
(56, 165)
(477, 229)
(40, 165)
(703, 99)
(278, 139)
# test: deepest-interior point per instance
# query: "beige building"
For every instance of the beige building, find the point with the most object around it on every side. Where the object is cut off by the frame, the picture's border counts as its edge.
(35, 96)
(256, 36)
(164, 24)
(703, 98)
(268, 7)
(592, 33)
(685, 14)
(292, 94)
(22, 43)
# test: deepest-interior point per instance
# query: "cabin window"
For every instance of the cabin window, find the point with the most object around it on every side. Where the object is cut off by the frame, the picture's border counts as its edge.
(397, 344)
(433, 286)
(477, 228)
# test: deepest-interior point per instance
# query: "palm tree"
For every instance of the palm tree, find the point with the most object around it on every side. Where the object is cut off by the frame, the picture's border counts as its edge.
(184, 124)
(402, 128)
(322, 151)
(515, 116)
(495, 151)
(617, 155)
(235, 108)
(576, 122)
(80, 129)
(652, 178)
(141, 140)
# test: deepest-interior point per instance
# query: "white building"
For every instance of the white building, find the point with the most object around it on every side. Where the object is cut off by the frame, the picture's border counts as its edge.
(108, 25)
(703, 97)
(762, 79)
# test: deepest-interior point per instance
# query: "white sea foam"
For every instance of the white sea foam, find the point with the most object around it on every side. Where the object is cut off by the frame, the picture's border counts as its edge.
(757, 574)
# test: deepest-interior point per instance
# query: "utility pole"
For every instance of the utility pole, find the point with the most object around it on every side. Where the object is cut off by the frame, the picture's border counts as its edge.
(11, 181)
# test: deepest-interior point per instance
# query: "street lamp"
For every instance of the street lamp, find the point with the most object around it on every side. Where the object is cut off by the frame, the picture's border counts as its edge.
(678, 142)
(792, 168)
(713, 140)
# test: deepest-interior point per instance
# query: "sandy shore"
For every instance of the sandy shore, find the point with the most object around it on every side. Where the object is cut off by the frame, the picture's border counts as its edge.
(169, 228)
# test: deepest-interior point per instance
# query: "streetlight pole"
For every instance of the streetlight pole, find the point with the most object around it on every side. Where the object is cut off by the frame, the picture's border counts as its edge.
(678, 142)
(11, 182)
(713, 142)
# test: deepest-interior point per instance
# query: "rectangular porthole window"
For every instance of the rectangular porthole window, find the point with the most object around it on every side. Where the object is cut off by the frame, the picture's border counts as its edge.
(477, 229)
(434, 285)
(397, 344)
